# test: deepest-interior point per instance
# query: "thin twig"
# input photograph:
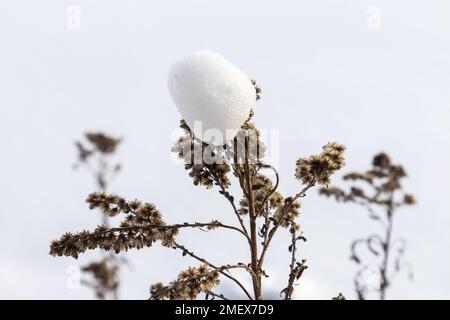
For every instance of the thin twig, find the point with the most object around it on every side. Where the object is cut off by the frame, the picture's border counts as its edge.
(220, 296)
(387, 244)
(158, 227)
(230, 199)
(280, 220)
(372, 213)
(191, 254)
(270, 192)
(289, 288)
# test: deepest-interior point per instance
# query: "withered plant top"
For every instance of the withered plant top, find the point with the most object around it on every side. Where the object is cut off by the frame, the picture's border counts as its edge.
(260, 211)
(379, 190)
(94, 154)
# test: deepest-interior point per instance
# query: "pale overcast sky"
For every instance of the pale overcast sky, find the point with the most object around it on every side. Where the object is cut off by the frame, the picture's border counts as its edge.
(326, 75)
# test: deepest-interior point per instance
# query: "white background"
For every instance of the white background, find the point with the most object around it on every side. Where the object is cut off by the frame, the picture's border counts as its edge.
(325, 76)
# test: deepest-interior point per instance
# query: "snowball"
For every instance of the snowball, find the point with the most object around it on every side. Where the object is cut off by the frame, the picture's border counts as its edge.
(213, 96)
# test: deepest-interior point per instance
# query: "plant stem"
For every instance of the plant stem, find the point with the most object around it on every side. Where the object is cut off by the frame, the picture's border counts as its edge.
(387, 244)
(289, 288)
(253, 228)
(220, 296)
(280, 220)
(219, 269)
(157, 227)
(102, 185)
(230, 199)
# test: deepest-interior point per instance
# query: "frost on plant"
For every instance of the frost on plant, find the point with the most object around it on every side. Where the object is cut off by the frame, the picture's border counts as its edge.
(205, 87)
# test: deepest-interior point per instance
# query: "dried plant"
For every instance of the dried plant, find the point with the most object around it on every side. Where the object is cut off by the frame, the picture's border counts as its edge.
(382, 195)
(95, 154)
(188, 285)
(340, 296)
(260, 213)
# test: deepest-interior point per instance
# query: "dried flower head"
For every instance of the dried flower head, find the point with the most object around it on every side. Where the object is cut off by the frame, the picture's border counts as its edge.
(188, 285)
(246, 144)
(318, 169)
(141, 227)
(95, 153)
(207, 164)
(262, 186)
(381, 160)
(105, 275)
(102, 142)
(409, 199)
(97, 143)
(287, 212)
(340, 296)
(257, 89)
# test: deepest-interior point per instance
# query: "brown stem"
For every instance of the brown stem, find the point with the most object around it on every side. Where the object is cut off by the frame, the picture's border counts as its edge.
(227, 195)
(387, 244)
(280, 220)
(296, 268)
(102, 185)
(253, 228)
(159, 227)
(219, 269)
(220, 296)
(289, 288)
(270, 192)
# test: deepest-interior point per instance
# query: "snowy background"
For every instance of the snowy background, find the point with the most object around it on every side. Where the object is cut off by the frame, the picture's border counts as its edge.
(326, 74)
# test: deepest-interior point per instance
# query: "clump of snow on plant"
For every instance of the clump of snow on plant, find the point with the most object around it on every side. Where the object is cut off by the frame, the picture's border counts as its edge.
(213, 96)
